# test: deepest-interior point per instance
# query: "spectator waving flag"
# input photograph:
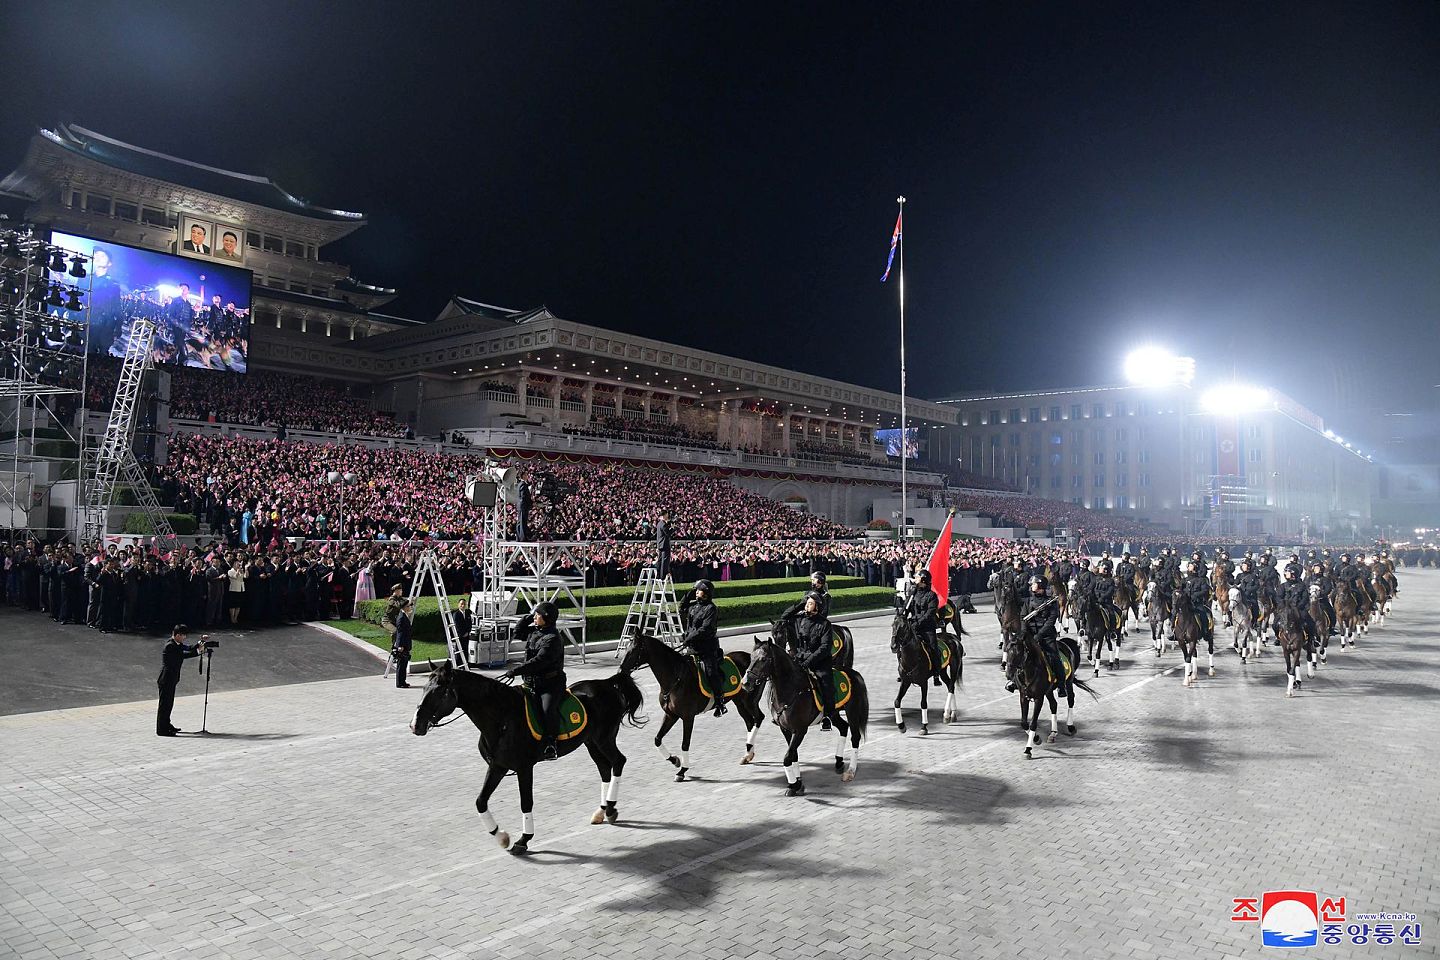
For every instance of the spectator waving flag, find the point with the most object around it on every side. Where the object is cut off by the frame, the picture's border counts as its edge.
(894, 242)
(939, 563)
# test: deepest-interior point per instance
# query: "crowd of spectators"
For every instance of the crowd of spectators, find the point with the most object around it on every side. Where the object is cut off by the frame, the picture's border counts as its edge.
(645, 431)
(499, 386)
(830, 451)
(406, 493)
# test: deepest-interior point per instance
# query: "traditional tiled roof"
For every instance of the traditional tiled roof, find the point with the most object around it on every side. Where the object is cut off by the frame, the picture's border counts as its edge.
(245, 187)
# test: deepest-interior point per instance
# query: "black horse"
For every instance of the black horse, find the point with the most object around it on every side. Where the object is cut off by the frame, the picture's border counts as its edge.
(506, 742)
(1037, 682)
(1188, 634)
(1007, 612)
(842, 641)
(792, 705)
(915, 670)
(681, 698)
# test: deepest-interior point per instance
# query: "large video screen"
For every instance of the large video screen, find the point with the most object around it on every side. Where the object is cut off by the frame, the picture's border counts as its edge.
(891, 439)
(201, 310)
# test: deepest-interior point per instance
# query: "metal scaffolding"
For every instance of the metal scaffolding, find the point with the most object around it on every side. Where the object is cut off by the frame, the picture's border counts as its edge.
(43, 340)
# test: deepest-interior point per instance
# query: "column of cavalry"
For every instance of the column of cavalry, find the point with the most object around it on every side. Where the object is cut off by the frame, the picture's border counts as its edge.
(1298, 602)
(807, 663)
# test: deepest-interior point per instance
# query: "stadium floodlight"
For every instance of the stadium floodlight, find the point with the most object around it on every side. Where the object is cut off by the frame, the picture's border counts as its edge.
(1151, 366)
(1232, 399)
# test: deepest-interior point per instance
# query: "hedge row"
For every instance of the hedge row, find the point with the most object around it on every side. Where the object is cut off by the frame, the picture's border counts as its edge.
(183, 524)
(605, 622)
(614, 596)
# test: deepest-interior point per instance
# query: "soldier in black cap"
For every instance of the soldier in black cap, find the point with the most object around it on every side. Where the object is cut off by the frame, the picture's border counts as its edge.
(697, 613)
(544, 671)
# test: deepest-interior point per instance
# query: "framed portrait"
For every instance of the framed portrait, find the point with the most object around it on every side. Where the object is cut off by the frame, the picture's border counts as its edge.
(229, 245)
(197, 237)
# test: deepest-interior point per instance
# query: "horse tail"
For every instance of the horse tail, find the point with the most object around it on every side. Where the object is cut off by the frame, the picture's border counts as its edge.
(630, 698)
(1077, 682)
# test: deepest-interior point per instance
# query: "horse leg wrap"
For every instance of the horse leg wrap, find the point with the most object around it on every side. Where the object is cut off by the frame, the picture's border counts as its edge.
(488, 822)
(604, 791)
(791, 775)
(612, 795)
(685, 759)
(750, 735)
(527, 824)
(899, 716)
(664, 753)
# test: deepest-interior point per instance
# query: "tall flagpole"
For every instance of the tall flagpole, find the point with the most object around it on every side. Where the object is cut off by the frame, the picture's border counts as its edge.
(904, 451)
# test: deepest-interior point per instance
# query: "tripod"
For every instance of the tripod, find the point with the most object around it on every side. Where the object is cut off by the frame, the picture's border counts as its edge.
(207, 668)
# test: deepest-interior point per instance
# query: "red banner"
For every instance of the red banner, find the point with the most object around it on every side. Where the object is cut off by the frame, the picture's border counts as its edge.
(1227, 447)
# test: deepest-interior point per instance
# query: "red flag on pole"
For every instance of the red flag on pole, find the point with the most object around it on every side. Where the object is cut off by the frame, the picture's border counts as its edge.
(939, 564)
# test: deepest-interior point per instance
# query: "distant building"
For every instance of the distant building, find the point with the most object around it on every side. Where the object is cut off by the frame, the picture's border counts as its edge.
(1153, 453)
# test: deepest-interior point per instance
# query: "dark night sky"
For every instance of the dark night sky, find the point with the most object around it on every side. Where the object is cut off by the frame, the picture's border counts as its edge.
(1251, 184)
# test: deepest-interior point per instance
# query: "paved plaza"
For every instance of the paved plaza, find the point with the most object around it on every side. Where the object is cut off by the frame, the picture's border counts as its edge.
(313, 824)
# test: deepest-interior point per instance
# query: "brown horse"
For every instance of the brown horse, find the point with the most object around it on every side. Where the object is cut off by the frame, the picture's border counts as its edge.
(1321, 616)
(1220, 581)
(681, 698)
(1291, 633)
(1347, 614)
(1381, 588)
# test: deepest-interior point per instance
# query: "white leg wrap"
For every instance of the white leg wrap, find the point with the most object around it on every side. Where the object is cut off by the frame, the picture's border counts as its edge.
(664, 753)
(613, 795)
(925, 716)
(1054, 722)
(685, 758)
(899, 716)
(750, 735)
(790, 773)
(1068, 710)
(604, 792)
(527, 823)
(488, 822)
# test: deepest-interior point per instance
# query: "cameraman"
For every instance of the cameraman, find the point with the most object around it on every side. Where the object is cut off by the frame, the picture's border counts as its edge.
(176, 652)
(401, 643)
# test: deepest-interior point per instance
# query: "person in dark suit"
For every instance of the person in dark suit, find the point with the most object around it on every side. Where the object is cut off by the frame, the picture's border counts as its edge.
(662, 546)
(401, 643)
(196, 243)
(172, 658)
(463, 624)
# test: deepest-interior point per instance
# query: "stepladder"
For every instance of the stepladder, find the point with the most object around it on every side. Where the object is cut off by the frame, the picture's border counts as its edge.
(653, 610)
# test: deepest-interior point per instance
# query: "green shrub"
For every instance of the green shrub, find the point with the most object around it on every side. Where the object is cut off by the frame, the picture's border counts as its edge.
(609, 596)
(182, 523)
(605, 622)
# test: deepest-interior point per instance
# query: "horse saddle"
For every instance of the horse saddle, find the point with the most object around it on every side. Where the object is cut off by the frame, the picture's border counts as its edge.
(842, 682)
(732, 678)
(573, 716)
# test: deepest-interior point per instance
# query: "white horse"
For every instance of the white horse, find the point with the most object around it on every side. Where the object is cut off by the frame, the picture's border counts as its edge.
(1247, 638)
(1159, 623)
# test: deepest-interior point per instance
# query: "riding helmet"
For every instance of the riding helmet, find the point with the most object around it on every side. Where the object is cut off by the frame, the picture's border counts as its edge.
(548, 612)
(705, 585)
(818, 576)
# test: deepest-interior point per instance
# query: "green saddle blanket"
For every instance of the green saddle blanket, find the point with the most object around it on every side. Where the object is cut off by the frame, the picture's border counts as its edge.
(837, 643)
(1059, 663)
(944, 655)
(842, 682)
(732, 678)
(573, 717)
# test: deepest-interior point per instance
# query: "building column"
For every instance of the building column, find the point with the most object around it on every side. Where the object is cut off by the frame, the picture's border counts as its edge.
(522, 384)
(645, 404)
(589, 400)
(785, 431)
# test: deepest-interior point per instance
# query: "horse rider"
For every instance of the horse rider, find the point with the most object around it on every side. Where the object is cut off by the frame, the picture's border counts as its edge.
(543, 670)
(1354, 575)
(1328, 559)
(1064, 569)
(1249, 584)
(1142, 563)
(817, 589)
(923, 612)
(1039, 614)
(1083, 580)
(1197, 589)
(1223, 561)
(1319, 579)
(1269, 577)
(812, 637)
(1294, 564)
(1125, 571)
(697, 614)
(1102, 591)
(1015, 575)
(1387, 572)
(1296, 596)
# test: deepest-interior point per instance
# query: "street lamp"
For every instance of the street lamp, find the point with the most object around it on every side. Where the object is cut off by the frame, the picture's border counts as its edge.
(336, 477)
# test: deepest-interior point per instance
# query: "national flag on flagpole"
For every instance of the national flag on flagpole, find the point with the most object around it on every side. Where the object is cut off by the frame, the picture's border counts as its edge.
(894, 242)
(939, 564)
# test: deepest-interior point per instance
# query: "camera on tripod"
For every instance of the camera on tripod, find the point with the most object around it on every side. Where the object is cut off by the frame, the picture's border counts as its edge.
(207, 644)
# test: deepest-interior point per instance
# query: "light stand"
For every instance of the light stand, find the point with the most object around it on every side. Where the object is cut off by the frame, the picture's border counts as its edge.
(336, 477)
(207, 668)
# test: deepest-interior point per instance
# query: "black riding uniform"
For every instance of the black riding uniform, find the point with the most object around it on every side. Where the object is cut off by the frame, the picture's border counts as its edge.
(1296, 596)
(1041, 629)
(701, 623)
(1197, 589)
(1249, 585)
(1102, 592)
(544, 673)
(923, 609)
(812, 638)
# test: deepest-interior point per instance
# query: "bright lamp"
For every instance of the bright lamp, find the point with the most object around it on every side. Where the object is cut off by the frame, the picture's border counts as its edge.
(1234, 398)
